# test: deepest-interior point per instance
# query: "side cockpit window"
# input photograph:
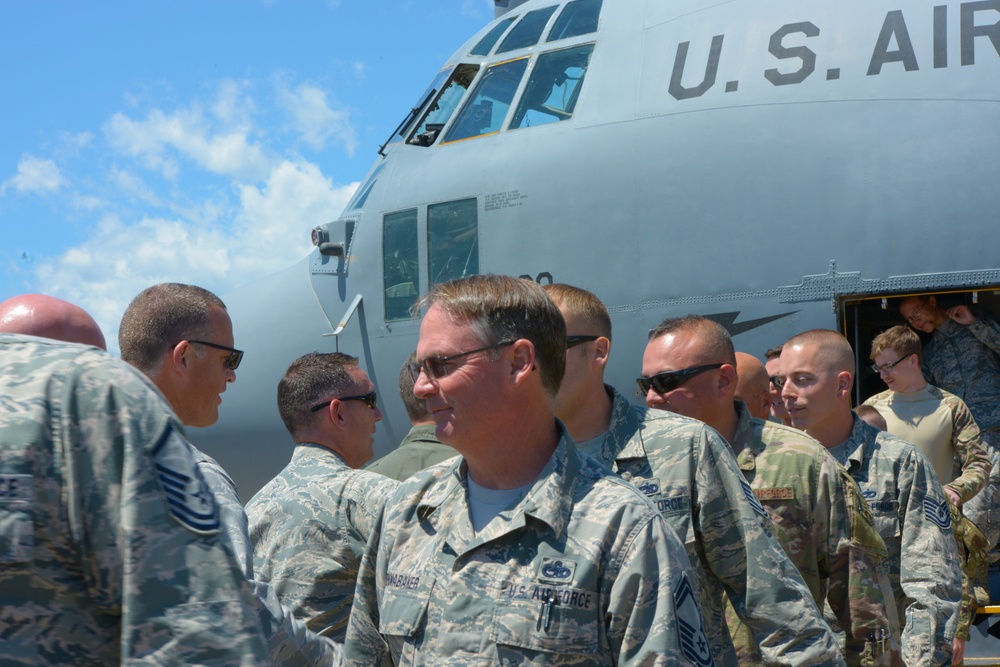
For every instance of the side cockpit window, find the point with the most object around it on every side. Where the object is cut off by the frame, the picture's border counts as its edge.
(452, 240)
(486, 108)
(400, 264)
(553, 88)
(438, 113)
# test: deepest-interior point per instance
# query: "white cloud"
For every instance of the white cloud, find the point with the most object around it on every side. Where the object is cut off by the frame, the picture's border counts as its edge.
(268, 232)
(314, 120)
(34, 176)
(218, 141)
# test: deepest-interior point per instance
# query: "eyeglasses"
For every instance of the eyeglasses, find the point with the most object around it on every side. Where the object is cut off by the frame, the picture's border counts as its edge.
(917, 314)
(665, 382)
(573, 341)
(888, 368)
(777, 381)
(232, 361)
(368, 398)
(437, 367)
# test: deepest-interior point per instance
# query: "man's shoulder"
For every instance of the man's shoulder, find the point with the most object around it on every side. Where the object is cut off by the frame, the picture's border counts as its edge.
(881, 398)
(781, 440)
(660, 428)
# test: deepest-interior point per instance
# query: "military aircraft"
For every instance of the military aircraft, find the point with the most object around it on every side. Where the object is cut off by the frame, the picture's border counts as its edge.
(778, 166)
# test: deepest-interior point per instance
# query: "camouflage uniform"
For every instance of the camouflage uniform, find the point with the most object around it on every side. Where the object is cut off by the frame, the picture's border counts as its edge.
(912, 515)
(828, 532)
(963, 360)
(689, 472)
(420, 449)
(110, 544)
(965, 446)
(290, 642)
(308, 528)
(581, 571)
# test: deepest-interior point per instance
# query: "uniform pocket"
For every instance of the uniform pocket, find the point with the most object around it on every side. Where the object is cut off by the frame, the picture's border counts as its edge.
(549, 619)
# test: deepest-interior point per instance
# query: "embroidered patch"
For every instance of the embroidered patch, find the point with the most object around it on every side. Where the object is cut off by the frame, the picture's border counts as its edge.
(189, 499)
(673, 506)
(649, 486)
(937, 512)
(690, 626)
(556, 570)
(868, 494)
(781, 493)
(752, 499)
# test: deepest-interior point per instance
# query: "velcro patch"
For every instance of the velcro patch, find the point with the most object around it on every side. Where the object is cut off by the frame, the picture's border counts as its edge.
(937, 512)
(188, 497)
(650, 487)
(752, 499)
(690, 625)
(779, 493)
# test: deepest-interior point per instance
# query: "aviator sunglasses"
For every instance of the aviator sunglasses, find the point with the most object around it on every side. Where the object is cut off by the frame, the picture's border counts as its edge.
(232, 361)
(437, 367)
(369, 400)
(667, 381)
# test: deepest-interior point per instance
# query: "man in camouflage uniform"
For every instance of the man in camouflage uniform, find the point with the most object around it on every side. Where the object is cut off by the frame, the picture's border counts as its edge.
(181, 337)
(110, 545)
(687, 470)
(523, 549)
(309, 525)
(753, 385)
(420, 448)
(962, 357)
(819, 516)
(910, 509)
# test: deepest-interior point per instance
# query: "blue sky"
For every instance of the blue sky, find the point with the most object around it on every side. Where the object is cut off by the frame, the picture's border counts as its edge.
(195, 142)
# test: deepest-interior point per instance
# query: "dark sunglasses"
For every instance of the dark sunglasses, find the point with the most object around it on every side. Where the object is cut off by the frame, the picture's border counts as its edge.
(368, 398)
(777, 381)
(437, 367)
(573, 341)
(232, 361)
(665, 382)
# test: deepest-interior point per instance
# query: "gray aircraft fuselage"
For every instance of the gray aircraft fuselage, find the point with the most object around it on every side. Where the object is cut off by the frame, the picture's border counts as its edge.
(779, 166)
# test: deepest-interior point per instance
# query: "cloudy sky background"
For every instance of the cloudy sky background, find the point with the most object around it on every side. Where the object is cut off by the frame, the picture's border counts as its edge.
(195, 142)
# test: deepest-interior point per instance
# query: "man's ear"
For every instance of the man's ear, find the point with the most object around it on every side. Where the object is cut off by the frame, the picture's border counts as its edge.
(844, 383)
(522, 360)
(727, 380)
(179, 357)
(602, 351)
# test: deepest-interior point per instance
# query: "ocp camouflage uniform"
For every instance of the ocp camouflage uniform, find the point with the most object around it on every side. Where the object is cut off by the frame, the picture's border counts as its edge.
(418, 450)
(308, 528)
(581, 571)
(689, 472)
(912, 515)
(110, 543)
(827, 531)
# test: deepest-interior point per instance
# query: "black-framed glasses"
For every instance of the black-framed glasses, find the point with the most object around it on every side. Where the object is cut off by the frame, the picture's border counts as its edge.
(573, 341)
(369, 399)
(888, 368)
(777, 381)
(232, 361)
(667, 381)
(437, 367)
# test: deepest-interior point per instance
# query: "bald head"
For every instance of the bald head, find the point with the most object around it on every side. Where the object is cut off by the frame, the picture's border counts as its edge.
(49, 317)
(833, 352)
(752, 385)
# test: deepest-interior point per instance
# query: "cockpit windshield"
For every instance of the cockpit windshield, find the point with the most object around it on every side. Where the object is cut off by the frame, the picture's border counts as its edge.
(487, 42)
(553, 88)
(440, 111)
(528, 31)
(577, 18)
(487, 106)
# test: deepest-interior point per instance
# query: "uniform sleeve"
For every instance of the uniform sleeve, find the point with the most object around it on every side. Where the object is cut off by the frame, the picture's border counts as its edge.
(859, 594)
(969, 449)
(369, 493)
(929, 568)
(364, 646)
(765, 589)
(655, 618)
(986, 329)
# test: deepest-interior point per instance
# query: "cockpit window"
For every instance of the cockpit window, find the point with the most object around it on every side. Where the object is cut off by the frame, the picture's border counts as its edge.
(553, 88)
(577, 18)
(487, 42)
(452, 240)
(487, 106)
(527, 32)
(440, 111)
(400, 266)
